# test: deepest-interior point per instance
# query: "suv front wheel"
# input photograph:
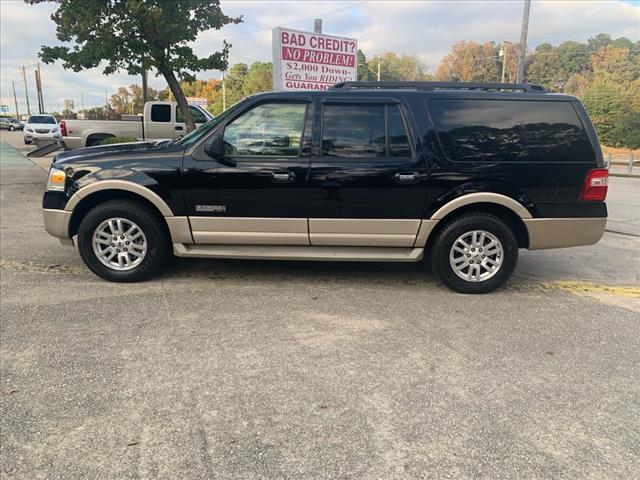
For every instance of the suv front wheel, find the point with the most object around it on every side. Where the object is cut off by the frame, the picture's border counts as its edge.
(123, 241)
(474, 253)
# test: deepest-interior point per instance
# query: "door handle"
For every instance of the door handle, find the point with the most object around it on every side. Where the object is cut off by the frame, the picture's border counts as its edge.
(406, 177)
(283, 177)
(179, 127)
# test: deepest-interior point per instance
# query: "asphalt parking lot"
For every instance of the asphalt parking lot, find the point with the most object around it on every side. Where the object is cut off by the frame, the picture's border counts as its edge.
(260, 370)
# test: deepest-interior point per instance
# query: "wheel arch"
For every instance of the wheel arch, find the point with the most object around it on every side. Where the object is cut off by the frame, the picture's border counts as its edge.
(83, 205)
(91, 135)
(503, 207)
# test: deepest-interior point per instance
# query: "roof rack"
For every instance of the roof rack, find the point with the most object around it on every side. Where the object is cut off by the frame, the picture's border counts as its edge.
(431, 86)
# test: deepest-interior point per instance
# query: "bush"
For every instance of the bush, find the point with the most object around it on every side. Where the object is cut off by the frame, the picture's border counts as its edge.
(627, 132)
(111, 140)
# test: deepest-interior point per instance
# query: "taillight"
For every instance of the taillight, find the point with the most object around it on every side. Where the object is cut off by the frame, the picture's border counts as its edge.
(63, 128)
(595, 185)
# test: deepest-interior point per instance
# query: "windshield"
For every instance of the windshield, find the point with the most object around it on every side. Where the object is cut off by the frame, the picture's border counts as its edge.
(202, 130)
(41, 119)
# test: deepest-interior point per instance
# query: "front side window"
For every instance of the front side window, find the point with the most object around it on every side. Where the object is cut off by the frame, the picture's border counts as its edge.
(270, 129)
(160, 113)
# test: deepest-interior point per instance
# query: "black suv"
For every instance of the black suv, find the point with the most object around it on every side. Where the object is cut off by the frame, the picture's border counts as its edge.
(463, 173)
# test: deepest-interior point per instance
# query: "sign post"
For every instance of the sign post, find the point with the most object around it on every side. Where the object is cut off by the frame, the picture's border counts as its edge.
(312, 61)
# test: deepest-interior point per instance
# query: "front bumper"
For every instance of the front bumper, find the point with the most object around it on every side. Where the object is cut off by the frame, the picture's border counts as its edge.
(56, 223)
(31, 136)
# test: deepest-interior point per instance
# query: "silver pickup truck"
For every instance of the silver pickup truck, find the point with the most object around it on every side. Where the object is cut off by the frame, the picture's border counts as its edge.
(160, 120)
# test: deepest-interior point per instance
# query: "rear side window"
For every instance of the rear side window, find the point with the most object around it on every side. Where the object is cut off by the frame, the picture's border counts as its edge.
(364, 131)
(353, 131)
(398, 139)
(510, 131)
(160, 113)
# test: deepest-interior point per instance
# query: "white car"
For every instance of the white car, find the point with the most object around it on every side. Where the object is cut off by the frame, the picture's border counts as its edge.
(41, 127)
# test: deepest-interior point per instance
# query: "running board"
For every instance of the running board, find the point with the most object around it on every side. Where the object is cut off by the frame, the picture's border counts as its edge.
(278, 252)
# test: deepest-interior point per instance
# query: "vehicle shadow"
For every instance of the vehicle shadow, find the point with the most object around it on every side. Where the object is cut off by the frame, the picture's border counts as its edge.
(396, 274)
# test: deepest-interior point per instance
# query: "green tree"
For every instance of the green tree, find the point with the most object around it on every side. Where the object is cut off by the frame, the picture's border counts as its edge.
(606, 103)
(138, 35)
(399, 68)
(259, 78)
(554, 66)
(364, 71)
(471, 61)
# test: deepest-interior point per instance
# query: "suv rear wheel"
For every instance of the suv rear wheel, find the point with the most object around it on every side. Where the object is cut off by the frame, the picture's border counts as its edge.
(474, 253)
(123, 241)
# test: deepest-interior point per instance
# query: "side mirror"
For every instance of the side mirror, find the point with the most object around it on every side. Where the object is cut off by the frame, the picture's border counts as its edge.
(215, 149)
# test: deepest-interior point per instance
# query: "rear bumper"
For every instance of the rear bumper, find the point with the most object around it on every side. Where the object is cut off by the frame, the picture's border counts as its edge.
(56, 223)
(563, 232)
(72, 142)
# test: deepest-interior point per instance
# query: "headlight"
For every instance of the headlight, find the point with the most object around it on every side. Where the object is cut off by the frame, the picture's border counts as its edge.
(29, 130)
(54, 129)
(56, 180)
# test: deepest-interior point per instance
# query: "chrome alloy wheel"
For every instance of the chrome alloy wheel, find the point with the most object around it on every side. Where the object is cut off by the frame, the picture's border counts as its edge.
(476, 256)
(119, 244)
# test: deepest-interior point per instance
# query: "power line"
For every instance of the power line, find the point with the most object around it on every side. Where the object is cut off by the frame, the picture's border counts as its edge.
(258, 30)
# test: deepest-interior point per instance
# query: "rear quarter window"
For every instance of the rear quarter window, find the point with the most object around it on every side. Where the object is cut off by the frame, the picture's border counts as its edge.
(477, 130)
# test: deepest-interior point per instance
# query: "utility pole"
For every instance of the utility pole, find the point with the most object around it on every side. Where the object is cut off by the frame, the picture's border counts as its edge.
(26, 90)
(144, 87)
(15, 99)
(317, 26)
(523, 40)
(39, 91)
(82, 101)
(378, 75)
(224, 94)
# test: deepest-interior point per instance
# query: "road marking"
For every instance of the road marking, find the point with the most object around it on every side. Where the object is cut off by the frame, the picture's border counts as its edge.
(575, 286)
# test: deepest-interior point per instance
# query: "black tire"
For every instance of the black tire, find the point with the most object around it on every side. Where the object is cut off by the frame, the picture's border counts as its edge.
(147, 219)
(457, 227)
(12, 128)
(27, 142)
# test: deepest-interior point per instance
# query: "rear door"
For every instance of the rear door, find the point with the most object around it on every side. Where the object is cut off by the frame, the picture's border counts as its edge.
(367, 185)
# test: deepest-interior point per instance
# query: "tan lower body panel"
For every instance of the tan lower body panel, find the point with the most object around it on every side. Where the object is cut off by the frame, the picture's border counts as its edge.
(56, 222)
(179, 229)
(563, 232)
(249, 231)
(363, 232)
(275, 252)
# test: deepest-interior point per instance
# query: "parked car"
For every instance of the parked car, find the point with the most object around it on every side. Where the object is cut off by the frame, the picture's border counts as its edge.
(464, 174)
(40, 127)
(160, 120)
(10, 124)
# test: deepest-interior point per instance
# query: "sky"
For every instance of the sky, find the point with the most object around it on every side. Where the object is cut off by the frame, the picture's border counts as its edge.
(425, 28)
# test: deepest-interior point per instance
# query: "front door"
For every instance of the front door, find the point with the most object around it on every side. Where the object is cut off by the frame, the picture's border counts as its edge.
(366, 184)
(258, 194)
